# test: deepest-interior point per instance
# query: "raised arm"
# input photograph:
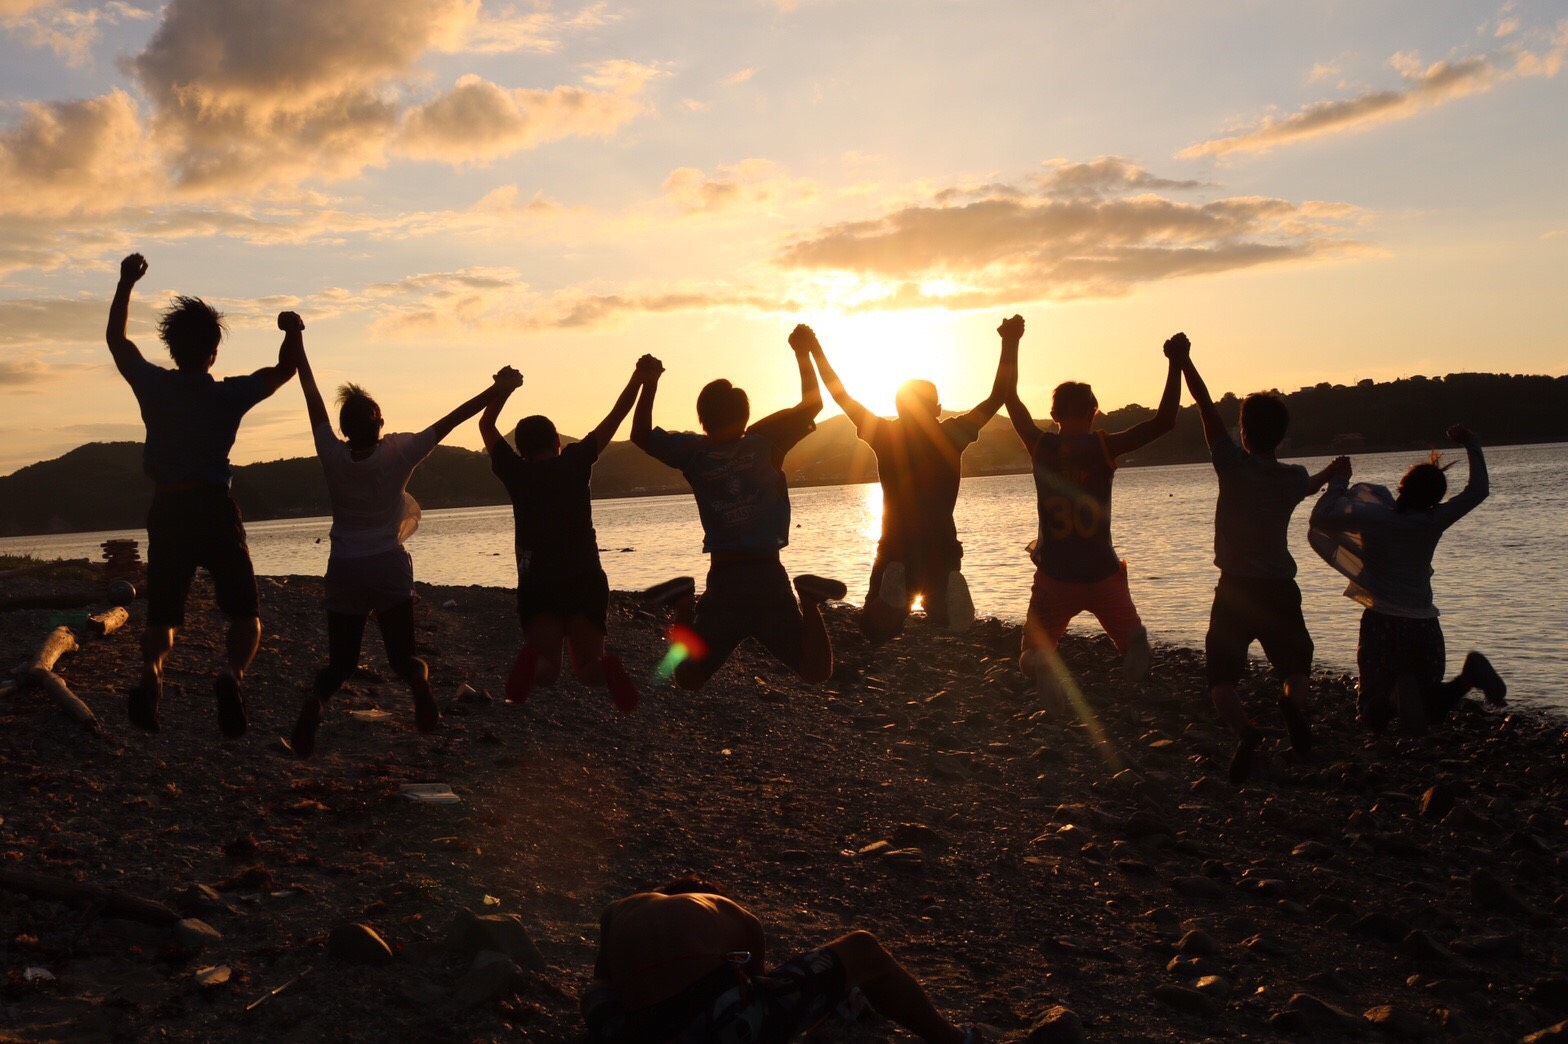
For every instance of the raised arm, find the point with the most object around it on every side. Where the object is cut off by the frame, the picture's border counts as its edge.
(1476, 488)
(1338, 466)
(506, 378)
(1164, 419)
(1012, 332)
(124, 350)
(851, 406)
(800, 340)
(289, 353)
(642, 418)
(623, 405)
(293, 328)
(1213, 426)
(487, 429)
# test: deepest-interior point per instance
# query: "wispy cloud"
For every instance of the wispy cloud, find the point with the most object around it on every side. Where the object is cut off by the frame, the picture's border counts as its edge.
(1426, 86)
(751, 182)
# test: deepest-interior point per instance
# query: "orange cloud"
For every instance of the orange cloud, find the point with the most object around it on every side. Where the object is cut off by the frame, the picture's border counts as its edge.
(84, 156)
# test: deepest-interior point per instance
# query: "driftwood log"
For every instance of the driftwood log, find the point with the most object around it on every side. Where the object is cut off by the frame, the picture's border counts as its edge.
(40, 673)
(109, 901)
(108, 621)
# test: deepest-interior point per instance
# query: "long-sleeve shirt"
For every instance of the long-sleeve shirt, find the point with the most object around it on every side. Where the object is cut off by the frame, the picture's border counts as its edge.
(1390, 551)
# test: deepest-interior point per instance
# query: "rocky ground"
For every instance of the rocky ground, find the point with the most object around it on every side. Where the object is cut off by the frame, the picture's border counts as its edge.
(1036, 880)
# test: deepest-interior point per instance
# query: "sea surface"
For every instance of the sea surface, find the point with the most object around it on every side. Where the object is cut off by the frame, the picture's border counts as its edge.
(1501, 573)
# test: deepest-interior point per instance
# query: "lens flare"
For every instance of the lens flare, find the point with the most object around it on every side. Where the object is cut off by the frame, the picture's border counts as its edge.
(685, 644)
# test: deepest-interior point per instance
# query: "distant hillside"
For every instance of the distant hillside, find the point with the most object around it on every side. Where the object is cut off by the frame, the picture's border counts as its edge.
(101, 486)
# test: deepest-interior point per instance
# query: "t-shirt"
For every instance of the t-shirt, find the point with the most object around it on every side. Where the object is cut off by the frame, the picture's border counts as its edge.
(1252, 515)
(192, 420)
(552, 513)
(1387, 553)
(1072, 483)
(917, 462)
(371, 510)
(742, 497)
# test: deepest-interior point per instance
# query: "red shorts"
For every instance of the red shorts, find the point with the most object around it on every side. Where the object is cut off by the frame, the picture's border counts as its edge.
(1053, 604)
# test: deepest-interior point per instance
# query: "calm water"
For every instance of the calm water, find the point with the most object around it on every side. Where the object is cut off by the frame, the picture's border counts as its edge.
(1501, 573)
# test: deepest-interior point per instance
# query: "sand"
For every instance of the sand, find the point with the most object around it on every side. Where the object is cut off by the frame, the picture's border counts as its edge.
(919, 794)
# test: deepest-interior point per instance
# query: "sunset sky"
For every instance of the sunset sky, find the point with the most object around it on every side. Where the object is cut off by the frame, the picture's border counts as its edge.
(1315, 191)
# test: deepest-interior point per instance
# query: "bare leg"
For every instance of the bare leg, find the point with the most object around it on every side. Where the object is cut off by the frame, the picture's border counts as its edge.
(243, 641)
(1294, 706)
(142, 707)
(545, 633)
(586, 643)
(892, 991)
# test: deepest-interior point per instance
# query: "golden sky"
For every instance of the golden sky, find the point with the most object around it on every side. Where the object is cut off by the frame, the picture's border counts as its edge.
(1314, 191)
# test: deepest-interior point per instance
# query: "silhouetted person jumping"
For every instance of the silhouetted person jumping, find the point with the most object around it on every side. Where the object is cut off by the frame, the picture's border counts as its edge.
(562, 593)
(1077, 568)
(919, 554)
(736, 475)
(369, 571)
(1257, 598)
(192, 421)
(685, 963)
(1384, 544)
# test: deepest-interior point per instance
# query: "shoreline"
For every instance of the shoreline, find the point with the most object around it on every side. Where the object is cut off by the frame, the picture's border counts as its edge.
(1036, 873)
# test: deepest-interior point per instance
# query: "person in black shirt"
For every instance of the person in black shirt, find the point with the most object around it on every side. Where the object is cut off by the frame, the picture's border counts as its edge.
(563, 596)
(918, 456)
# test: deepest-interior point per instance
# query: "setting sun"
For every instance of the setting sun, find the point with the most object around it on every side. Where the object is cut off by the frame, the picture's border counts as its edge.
(876, 352)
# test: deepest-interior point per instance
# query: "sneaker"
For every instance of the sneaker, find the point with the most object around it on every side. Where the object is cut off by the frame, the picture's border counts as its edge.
(142, 706)
(427, 716)
(231, 706)
(893, 588)
(1296, 724)
(302, 741)
(1241, 759)
(960, 607)
(521, 681)
(819, 589)
(669, 592)
(622, 691)
(1479, 672)
(1138, 657)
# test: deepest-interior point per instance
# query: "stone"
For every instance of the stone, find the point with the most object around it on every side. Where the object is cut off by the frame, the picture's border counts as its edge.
(1401, 1022)
(1191, 967)
(358, 943)
(1198, 944)
(1557, 1034)
(875, 848)
(196, 935)
(912, 860)
(1438, 801)
(492, 975)
(1508, 946)
(1315, 851)
(1322, 1017)
(200, 899)
(916, 834)
(1491, 892)
(1197, 888)
(1420, 946)
(1184, 998)
(1267, 946)
(1384, 927)
(1550, 993)
(472, 933)
(1057, 1025)
(1213, 986)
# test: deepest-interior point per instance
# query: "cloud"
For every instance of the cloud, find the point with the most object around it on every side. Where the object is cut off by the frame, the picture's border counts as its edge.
(735, 79)
(68, 32)
(1426, 87)
(75, 156)
(750, 182)
(1071, 233)
(508, 32)
(478, 120)
(51, 321)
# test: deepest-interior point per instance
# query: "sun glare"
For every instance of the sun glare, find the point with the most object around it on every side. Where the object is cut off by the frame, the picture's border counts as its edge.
(875, 352)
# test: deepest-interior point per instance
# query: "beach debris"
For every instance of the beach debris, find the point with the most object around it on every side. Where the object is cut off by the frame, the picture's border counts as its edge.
(40, 675)
(122, 561)
(213, 975)
(121, 592)
(358, 943)
(372, 714)
(431, 793)
(195, 935)
(37, 973)
(1557, 1034)
(286, 984)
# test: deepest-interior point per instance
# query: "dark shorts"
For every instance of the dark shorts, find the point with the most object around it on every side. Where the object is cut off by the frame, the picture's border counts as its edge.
(747, 598)
(772, 1008)
(370, 584)
(576, 590)
(1394, 647)
(190, 528)
(1251, 609)
(925, 574)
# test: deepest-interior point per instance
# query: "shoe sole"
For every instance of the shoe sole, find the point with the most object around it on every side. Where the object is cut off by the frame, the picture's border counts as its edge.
(1486, 678)
(669, 592)
(820, 588)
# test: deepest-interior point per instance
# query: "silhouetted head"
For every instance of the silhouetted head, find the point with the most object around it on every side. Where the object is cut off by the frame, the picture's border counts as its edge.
(723, 409)
(1073, 405)
(536, 435)
(359, 417)
(192, 328)
(917, 399)
(1264, 420)
(1424, 485)
(689, 884)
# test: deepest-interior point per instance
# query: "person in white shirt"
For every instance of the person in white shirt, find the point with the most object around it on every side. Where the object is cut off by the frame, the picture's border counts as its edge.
(368, 570)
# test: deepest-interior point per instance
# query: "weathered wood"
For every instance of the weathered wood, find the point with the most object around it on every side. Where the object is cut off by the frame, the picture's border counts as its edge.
(59, 642)
(109, 901)
(108, 621)
(54, 685)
